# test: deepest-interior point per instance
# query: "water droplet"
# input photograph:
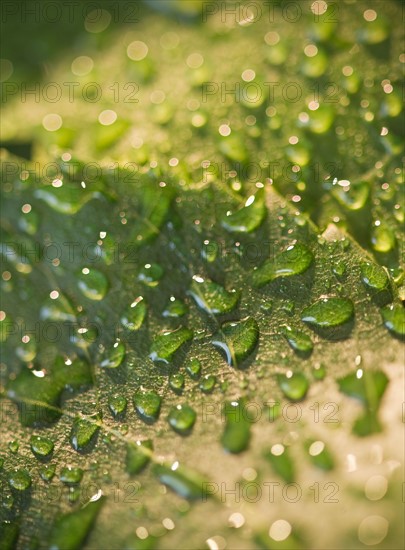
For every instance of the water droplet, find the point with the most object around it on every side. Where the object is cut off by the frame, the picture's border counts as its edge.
(328, 312)
(339, 269)
(14, 446)
(93, 284)
(176, 382)
(238, 340)
(138, 456)
(147, 405)
(281, 462)
(182, 418)
(71, 530)
(117, 405)
(47, 472)
(294, 387)
(249, 217)
(319, 372)
(236, 436)
(166, 344)
(394, 319)
(368, 387)
(383, 239)
(134, 316)
(293, 261)
(70, 475)
(319, 455)
(19, 480)
(211, 297)
(183, 481)
(299, 341)
(115, 356)
(42, 447)
(193, 368)
(175, 308)
(84, 431)
(150, 274)
(207, 384)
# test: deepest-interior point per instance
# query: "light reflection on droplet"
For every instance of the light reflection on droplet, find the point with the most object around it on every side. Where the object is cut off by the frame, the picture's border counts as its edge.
(236, 520)
(137, 50)
(373, 530)
(107, 117)
(376, 487)
(280, 530)
(52, 122)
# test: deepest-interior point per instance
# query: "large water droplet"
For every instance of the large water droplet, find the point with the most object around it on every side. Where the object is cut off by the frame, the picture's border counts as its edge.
(328, 312)
(147, 405)
(150, 274)
(248, 218)
(182, 418)
(71, 530)
(84, 431)
(300, 342)
(19, 480)
(236, 436)
(183, 481)
(138, 456)
(70, 475)
(134, 316)
(394, 319)
(238, 340)
(93, 284)
(117, 405)
(42, 447)
(293, 261)
(293, 385)
(211, 297)
(115, 356)
(166, 344)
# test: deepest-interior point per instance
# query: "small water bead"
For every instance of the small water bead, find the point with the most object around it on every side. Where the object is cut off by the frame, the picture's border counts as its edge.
(394, 319)
(300, 342)
(150, 274)
(293, 385)
(212, 297)
(175, 308)
(176, 382)
(238, 340)
(374, 276)
(248, 218)
(147, 404)
(328, 312)
(71, 530)
(19, 480)
(295, 260)
(207, 383)
(93, 284)
(183, 481)
(115, 357)
(193, 368)
(168, 343)
(182, 419)
(288, 306)
(117, 405)
(42, 447)
(70, 475)
(47, 472)
(134, 316)
(7, 502)
(339, 269)
(14, 446)
(138, 456)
